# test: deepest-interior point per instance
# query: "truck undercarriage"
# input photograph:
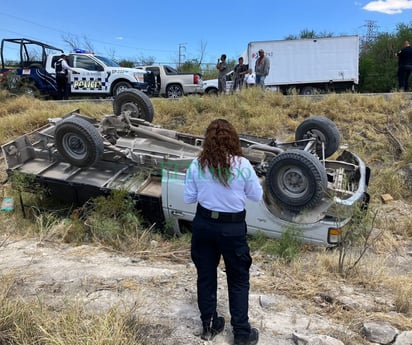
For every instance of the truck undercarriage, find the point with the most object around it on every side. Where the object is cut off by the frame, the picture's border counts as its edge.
(77, 158)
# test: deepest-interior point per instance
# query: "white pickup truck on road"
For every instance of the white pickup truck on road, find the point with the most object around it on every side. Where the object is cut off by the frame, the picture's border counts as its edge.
(172, 84)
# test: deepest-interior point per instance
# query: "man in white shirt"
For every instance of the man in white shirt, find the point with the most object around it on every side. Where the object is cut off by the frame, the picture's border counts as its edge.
(220, 180)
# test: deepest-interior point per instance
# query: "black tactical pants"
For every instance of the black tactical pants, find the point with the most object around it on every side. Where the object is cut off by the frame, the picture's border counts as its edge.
(212, 239)
(404, 73)
(62, 86)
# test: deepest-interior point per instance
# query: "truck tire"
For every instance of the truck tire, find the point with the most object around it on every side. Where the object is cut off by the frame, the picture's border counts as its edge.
(28, 87)
(296, 180)
(307, 90)
(135, 101)
(120, 87)
(174, 91)
(324, 130)
(211, 91)
(79, 142)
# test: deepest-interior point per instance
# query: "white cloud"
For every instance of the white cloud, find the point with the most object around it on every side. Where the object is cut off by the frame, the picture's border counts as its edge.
(388, 6)
(119, 38)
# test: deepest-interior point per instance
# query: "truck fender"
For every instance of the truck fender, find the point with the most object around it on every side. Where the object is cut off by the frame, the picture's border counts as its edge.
(119, 86)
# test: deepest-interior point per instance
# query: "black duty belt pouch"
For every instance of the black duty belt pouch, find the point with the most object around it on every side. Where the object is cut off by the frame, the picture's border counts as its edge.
(224, 217)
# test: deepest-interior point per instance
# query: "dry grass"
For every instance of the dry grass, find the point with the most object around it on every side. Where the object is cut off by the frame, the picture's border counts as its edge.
(377, 128)
(33, 322)
(24, 114)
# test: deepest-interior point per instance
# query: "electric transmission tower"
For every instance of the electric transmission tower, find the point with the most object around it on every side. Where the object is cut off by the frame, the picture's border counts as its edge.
(371, 34)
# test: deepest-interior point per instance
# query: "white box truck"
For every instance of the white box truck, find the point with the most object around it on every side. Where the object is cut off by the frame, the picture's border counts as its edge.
(306, 66)
(310, 65)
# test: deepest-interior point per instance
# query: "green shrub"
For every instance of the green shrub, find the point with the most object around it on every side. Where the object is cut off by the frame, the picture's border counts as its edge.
(286, 247)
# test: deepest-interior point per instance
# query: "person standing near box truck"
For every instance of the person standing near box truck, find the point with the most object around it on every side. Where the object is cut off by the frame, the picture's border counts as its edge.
(240, 71)
(222, 67)
(262, 67)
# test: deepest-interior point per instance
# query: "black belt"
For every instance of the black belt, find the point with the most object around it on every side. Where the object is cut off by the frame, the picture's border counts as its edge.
(225, 217)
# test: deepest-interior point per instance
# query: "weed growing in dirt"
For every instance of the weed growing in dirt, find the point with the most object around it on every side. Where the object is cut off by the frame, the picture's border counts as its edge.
(403, 300)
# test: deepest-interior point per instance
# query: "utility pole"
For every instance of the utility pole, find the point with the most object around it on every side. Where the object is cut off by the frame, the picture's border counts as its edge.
(182, 48)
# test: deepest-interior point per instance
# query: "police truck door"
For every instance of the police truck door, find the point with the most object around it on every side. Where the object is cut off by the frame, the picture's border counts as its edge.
(91, 78)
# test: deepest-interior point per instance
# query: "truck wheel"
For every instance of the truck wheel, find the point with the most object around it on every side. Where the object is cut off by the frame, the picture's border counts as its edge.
(307, 90)
(296, 180)
(324, 130)
(174, 91)
(135, 101)
(211, 91)
(29, 88)
(79, 142)
(120, 87)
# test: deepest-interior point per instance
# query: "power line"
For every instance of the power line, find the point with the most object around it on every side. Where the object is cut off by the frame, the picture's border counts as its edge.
(68, 33)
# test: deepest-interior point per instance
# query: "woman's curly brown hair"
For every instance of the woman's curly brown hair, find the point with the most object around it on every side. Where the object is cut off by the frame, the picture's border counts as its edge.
(221, 144)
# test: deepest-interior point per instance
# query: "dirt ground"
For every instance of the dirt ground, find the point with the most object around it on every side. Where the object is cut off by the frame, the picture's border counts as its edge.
(163, 291)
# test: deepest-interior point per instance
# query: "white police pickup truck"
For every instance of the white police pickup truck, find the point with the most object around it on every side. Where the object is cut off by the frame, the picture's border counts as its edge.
(95, 75)
(77, 157)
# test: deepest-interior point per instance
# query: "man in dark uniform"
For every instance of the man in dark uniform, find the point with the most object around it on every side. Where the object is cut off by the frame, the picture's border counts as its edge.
(62, 68)
(404, 66)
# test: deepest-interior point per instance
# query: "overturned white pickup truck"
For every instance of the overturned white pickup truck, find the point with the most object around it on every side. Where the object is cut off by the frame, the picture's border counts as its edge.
(77, 157)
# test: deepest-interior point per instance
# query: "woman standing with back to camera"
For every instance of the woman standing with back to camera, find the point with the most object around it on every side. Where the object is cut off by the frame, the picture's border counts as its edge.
(220, 180)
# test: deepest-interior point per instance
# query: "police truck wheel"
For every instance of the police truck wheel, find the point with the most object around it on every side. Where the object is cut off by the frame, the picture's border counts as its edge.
(79, 142)
(174, 91)
(135, 101)
(296, 180)
(211, 91)
(29, 88)
(120, 87)
(323, 130)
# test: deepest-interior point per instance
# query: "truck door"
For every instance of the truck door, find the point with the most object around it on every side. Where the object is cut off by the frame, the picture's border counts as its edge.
(174, 208)
(92, 77)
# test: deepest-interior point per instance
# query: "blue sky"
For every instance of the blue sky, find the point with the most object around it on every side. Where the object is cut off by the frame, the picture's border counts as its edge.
(131, 29)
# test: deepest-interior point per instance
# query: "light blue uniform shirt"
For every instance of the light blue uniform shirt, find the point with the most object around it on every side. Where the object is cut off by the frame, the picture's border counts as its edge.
(200, 186)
